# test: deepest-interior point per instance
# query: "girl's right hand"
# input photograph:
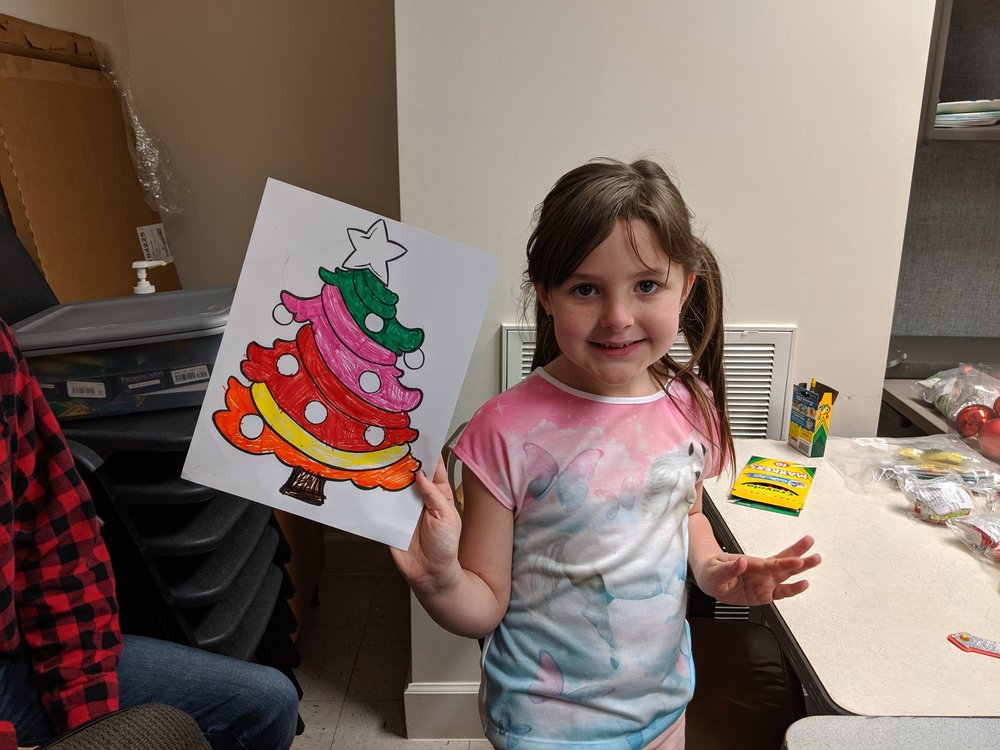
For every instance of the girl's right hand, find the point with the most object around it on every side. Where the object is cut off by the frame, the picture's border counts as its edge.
(432, 557)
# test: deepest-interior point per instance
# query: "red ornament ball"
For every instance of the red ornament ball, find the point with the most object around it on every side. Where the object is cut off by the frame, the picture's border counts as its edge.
(970, 417)
(996, 406)
(989, 439)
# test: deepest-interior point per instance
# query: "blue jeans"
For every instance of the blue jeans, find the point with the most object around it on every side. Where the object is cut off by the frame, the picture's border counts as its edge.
(238, 705)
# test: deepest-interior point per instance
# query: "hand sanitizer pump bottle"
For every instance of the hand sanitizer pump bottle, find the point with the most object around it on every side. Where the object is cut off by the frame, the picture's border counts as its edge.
(141, 266)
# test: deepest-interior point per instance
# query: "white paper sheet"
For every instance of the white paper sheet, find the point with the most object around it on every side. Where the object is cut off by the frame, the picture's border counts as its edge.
(345, 349)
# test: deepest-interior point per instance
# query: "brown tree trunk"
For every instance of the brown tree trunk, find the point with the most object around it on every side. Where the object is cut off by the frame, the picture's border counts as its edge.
(304, 485)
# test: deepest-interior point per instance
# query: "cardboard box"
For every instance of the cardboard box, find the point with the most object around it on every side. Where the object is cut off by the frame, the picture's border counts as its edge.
(27, 39)
(809, 427)
(70, 184)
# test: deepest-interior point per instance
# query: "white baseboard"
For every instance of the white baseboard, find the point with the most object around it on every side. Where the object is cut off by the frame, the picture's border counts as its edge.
(442, 710)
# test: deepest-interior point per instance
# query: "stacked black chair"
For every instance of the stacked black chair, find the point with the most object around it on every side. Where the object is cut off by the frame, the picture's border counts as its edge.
(193, 565)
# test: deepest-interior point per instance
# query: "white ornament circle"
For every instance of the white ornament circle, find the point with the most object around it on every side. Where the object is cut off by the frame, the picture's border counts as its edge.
(287, 365)
(282, 315)
(315, 412)
(374, 323)
(414, 360)
(374, 435)
(251, 426)
(370, 382)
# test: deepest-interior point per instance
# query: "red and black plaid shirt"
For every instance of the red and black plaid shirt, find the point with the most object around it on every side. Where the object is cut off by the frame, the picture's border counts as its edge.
(57, 593)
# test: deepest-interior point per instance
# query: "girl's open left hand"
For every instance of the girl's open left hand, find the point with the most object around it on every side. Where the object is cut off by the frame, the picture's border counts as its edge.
(750, 581)
(433, 550)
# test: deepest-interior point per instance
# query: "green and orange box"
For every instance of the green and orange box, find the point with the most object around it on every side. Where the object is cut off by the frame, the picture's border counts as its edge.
(809, 427)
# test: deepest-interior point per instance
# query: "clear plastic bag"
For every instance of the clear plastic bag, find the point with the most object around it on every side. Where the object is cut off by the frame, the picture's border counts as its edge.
(974, 384)
(937, 388)
(938, 499)
(981, 533)
(864, 461)
(952, 390)
(163, 191)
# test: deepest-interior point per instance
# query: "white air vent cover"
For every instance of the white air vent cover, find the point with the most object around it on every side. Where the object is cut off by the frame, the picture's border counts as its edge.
(757, 360)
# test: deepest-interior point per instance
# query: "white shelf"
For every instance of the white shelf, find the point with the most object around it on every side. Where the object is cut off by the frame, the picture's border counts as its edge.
(982, 133)
(936, 64)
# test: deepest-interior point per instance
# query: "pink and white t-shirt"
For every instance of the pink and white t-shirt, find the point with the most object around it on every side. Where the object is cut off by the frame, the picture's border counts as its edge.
(594, 650)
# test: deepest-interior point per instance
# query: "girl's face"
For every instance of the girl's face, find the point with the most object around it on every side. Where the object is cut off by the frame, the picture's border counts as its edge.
(617, 314)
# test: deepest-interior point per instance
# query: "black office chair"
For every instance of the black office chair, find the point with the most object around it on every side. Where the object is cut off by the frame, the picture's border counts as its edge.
(746, 694)
(23, 288)
(152, 726)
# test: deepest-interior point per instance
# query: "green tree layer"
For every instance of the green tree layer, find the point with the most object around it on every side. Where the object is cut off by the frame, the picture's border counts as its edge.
(364, 294)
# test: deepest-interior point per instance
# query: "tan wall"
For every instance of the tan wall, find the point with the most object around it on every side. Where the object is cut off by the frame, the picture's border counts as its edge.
(242, 90)
(791, 127)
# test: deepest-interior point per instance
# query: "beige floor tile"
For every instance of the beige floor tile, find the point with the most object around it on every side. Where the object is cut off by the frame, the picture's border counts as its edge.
(379, 725)
(347, 554)
(355, 650)
(390, 604)
(382, 666)
(477, 745)
(328, 657)
(320, 718)
(344, 601)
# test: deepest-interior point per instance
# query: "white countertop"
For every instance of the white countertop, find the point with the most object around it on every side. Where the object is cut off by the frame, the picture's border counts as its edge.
(874, 622)
(893, 733)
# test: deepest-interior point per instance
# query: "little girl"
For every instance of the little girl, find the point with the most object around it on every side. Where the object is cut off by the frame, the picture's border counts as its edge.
(582, 483)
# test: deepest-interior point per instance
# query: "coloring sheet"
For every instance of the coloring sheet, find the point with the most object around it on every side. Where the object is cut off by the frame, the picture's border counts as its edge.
(344, 352)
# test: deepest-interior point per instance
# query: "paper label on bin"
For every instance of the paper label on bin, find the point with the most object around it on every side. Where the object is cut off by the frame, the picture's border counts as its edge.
(190, 374)
(153, 241)
(86, 389)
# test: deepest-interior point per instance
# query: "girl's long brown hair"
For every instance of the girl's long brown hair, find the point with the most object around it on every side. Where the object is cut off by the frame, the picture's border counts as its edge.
(579, 213)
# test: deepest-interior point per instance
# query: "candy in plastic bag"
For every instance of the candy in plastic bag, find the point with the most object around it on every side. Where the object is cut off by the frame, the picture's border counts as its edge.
(974, 384)
(980, 533)
(937, 499)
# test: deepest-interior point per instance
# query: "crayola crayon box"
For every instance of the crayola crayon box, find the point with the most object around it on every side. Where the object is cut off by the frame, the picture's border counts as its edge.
(773, 484)
(810, 423)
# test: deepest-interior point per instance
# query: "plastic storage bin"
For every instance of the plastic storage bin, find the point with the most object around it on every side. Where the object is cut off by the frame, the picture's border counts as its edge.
(126, 354)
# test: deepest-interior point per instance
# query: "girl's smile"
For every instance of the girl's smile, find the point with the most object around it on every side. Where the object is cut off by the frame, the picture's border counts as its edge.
(617, 314)
(615, 350)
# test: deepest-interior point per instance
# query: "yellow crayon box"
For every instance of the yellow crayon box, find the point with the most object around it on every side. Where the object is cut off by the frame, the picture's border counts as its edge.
(773, 484)
(809, 427)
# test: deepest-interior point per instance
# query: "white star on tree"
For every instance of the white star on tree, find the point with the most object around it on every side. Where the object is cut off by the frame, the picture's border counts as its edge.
(373, 250)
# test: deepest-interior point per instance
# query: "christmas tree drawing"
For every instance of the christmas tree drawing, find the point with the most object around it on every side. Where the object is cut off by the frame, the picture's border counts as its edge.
(329, 402)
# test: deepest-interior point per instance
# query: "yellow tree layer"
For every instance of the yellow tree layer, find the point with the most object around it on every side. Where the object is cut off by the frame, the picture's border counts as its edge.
(298, 449)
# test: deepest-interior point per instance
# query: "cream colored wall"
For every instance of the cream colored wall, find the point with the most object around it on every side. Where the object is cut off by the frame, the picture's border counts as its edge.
(791, 127)
(242, 90)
